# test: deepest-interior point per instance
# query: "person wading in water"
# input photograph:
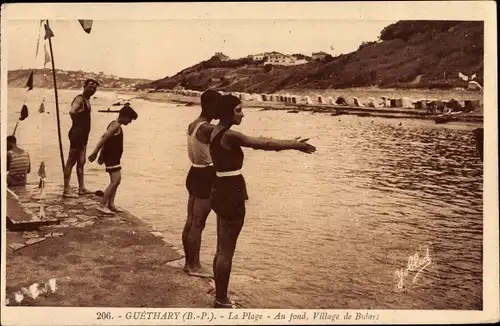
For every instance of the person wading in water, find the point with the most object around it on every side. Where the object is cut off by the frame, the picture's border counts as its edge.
(80, 113)
(229, 190)
(199, 183)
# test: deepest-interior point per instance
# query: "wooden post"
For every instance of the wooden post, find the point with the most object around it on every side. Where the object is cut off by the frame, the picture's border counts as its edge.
(57, 101)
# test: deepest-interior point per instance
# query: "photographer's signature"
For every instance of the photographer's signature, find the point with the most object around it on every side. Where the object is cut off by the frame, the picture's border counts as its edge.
(415, 263)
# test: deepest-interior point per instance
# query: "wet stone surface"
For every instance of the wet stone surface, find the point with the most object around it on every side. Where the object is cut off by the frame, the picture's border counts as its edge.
(71, 213)
(115, 252)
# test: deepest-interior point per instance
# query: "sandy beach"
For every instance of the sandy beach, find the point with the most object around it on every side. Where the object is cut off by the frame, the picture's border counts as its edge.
(169, 96)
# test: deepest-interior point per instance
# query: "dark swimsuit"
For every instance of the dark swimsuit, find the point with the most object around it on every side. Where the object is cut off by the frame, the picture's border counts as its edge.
(112, 151)
(80, 129)
(229, 193)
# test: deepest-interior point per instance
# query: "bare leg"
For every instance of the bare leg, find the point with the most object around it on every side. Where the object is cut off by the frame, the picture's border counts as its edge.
(73, 156)
(216, 256)
(185, 232)
(228, 236)
(115, 179)
(111, 200)
(201, 210)
(80, 172)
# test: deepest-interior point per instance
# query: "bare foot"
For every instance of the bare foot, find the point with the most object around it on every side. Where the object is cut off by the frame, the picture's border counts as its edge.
(104, 210)
(83, 192)
(199, 272)
(115, 209)
(225, 304)
(68, 194)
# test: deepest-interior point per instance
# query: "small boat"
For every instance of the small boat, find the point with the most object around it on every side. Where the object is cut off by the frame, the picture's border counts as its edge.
(108, 111)
(292, 111)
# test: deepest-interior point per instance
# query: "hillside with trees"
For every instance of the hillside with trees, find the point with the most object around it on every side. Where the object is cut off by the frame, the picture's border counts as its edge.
(42, 78)
(408, 54)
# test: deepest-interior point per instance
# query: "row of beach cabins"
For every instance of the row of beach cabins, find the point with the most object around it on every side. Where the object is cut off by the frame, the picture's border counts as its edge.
(432, 106)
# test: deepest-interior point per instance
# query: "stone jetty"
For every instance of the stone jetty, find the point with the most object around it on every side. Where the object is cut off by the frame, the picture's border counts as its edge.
(91, 260)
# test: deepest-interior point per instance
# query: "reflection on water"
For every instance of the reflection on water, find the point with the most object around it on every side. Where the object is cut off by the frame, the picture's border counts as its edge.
(327, 230)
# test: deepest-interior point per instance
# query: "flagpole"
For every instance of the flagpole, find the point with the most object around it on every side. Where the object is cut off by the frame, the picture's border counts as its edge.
(57, 101)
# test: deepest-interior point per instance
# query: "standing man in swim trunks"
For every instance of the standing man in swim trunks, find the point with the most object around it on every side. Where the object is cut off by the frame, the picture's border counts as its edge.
(80, 113)
(199, 183)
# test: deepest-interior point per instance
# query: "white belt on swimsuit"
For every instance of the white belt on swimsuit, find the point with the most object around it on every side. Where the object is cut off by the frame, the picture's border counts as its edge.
(228, 173)
(201, 165)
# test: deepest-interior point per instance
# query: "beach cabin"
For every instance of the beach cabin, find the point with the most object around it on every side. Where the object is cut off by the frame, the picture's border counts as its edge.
(454, 105)
(421, 105)
(329, 100)
(370, 102)
(396, 102)
(246, 96)
(471, 105)
(306, 100)
(294, 99)
(341, 101)
(357, 102)
(320, 99)
(406, 102)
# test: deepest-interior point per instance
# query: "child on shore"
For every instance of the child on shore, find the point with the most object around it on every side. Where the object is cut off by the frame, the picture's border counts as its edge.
(111, 144)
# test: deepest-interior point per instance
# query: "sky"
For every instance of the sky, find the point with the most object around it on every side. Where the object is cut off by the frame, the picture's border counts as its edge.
(157, 48)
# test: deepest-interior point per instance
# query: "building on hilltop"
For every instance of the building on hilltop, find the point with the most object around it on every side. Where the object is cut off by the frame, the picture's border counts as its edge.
(319, 55)
(221, 56)
(274, 58)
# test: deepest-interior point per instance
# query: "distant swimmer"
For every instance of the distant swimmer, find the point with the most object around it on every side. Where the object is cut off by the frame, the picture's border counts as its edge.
(110, 147)
(199, 183)
(80, 113)
(229, 191)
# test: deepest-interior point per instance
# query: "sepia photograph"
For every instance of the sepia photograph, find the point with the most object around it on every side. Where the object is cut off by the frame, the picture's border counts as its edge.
(196, 167)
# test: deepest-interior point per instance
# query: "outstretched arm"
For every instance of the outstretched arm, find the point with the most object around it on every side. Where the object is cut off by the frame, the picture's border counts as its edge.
(235, 138)
(113, 128)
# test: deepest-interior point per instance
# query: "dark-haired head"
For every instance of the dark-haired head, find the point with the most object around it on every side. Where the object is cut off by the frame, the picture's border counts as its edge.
(127, 115)
(209, 100)
(89, 81)
(89, 87)
(229, 110)
(11, 142)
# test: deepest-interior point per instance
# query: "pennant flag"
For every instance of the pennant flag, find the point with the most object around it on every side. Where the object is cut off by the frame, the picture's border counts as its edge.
(42, 107)
(48, 32)
(42, 174)
(47, 55)
(41, 170)
(24, 112)
(29, 84)
(86, 25)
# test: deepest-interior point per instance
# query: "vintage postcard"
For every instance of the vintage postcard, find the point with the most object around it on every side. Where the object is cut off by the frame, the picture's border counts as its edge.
(249, 163)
